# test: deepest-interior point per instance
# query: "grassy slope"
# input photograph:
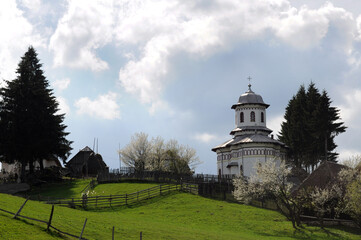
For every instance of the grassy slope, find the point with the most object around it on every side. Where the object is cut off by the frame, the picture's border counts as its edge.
(176, 216)
(15, 229)
(120, 188)
(70, 189)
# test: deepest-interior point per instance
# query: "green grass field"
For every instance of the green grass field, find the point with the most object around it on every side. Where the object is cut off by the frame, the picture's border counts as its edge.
(174, 216)
(68, 189)
(119, 188)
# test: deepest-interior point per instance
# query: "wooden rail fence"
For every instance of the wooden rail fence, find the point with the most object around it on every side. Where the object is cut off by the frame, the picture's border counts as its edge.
(48, 223)
(110, 201)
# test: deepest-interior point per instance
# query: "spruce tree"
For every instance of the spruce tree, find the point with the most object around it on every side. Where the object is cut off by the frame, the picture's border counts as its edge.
(310, 127)
(292, 130)
(31, 128)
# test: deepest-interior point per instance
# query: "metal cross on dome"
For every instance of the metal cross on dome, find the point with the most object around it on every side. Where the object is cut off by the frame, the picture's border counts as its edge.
(249, 83)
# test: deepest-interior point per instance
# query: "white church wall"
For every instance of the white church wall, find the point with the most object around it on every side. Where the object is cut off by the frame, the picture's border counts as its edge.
(247, 116)
(247, 161)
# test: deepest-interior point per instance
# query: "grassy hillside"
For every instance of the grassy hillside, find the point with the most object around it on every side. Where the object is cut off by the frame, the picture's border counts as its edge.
(120, 188)
(175, 216)
(68, 189)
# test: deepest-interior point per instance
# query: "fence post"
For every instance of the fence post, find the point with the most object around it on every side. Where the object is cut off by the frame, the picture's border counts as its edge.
(18, 212)
(96, 201)
(110, 200)
(82, 231)
(160, 189)
(51, 217)
(138, 196)
(141, 235)
(113, 233)
(84, 200)
(126, 199)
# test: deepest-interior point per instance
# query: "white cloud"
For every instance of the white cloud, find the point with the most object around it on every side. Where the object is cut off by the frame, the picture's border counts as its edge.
(351, 108)
(105, 106)
(346, 154)
(61, 84)
(63, 106)
(86, 26)
(33, 5)
(159, 30)
(201, 29)
(205, 137)
(16, 35)
(274, 123)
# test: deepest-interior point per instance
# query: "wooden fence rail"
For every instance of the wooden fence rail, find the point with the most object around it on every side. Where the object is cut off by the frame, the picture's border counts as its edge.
(122, 199)
(48, 223)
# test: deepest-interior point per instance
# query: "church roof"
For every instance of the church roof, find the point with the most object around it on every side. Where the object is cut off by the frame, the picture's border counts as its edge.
(248, 138)
(250, 97)
(251, 128)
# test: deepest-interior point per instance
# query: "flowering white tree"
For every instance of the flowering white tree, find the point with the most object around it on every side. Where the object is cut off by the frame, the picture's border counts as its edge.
(181, 159)
(343, 195)
(325, 200)
(156, 155)
(350, 184)
(270, 181)
(137, 153)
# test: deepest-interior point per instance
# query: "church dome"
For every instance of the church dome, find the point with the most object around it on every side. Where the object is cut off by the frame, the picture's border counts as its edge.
(250, 97)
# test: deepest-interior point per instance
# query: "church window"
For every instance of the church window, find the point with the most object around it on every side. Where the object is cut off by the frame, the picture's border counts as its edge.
(253, 117)
(242, 117)
(262, 117)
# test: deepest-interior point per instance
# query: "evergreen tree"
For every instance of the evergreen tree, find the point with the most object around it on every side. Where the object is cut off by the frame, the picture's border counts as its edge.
(31, 128)
(292, 130)
(310, 127)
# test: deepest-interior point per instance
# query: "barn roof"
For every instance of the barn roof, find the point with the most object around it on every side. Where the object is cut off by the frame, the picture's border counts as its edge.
(323, 176)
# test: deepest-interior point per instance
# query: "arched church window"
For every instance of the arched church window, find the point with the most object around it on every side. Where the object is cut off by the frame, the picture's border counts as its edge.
(262, 117)
(242, 117)
(253, 117)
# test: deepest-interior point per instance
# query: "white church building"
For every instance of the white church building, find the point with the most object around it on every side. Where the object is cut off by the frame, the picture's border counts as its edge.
(251, 143)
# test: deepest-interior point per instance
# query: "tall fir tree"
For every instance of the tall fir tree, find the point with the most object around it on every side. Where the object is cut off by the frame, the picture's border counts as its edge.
(292, 129)
(310, 127)
(32, 129)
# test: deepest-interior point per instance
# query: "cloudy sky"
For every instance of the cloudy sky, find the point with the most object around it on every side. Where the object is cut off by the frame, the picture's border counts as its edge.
(174, 68)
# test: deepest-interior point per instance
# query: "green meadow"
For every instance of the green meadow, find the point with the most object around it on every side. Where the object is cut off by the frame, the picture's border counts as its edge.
(173, 216)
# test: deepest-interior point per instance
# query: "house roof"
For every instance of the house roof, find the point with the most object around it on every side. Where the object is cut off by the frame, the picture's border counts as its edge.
(323, 176)
(86, 149)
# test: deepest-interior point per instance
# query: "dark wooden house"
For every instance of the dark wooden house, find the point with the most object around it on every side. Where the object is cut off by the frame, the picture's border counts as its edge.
(324, 176)
(86, 163)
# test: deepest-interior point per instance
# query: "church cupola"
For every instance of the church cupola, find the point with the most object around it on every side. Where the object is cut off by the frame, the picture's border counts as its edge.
(250, 114)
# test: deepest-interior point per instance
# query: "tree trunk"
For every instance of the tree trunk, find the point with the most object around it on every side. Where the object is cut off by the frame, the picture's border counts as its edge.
(31, 167)
(22, 172)
(41, 165)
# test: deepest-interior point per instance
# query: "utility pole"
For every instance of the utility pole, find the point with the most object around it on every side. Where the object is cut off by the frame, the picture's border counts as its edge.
(120, 159)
